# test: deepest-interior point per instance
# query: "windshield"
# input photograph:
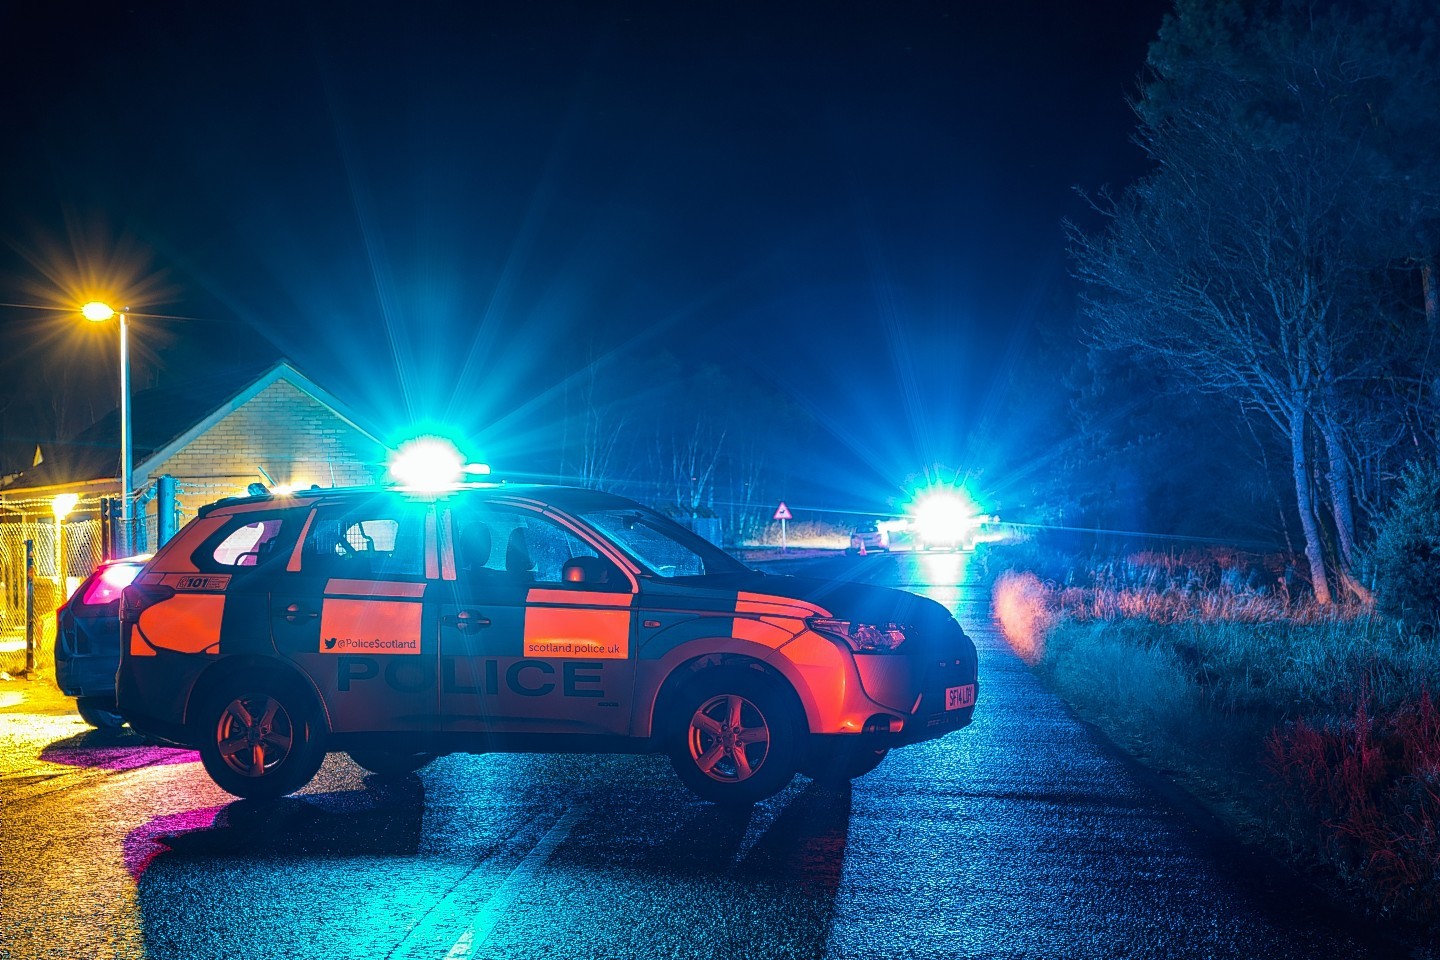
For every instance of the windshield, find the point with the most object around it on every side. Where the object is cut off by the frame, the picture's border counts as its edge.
(660, 545)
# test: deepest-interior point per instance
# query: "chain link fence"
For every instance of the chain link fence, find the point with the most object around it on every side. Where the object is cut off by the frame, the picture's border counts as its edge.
(62, 553)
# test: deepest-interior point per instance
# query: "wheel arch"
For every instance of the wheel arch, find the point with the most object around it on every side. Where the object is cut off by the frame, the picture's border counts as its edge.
(696, 666)
(220, 671)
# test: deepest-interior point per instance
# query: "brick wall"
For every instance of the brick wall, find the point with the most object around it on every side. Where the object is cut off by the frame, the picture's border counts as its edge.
(295, 438)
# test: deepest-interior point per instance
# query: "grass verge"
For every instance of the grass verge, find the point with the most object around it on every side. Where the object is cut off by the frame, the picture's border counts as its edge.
(1310, 730)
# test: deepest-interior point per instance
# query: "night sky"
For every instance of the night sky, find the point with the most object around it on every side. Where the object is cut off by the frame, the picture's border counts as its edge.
(440, 211)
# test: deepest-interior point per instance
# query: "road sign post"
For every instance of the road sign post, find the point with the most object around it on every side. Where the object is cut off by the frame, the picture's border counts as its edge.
(782, 513)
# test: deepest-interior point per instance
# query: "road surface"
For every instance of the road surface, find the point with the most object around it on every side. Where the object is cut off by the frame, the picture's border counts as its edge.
(1024, 836)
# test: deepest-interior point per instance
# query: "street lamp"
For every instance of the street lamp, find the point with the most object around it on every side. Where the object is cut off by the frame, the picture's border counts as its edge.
(98, 313)
(62, 504)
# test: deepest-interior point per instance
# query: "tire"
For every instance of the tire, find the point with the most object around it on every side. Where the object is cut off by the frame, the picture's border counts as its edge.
(842, 764)
(100, 713)
(734, 736)
(260, 738)
(388, 762)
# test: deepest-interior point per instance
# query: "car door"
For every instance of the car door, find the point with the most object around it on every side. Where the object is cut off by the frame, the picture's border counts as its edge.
(523, 651)
(352, 612)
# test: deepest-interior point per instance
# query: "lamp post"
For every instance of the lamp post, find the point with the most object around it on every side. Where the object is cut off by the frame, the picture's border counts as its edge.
(98, 312)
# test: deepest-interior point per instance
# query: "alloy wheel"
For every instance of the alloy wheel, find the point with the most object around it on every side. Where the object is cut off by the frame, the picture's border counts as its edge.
(729, 738)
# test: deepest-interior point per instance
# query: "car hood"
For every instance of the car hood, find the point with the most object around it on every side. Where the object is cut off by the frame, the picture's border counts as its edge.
(860, 602)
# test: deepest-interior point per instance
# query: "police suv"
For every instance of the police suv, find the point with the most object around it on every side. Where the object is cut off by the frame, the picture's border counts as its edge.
(399, 626)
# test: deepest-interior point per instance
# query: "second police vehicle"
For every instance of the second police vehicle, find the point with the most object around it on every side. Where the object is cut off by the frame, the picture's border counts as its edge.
(400, 626)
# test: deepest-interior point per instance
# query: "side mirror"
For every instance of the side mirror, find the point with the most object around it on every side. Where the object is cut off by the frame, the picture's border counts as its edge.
(591, 571)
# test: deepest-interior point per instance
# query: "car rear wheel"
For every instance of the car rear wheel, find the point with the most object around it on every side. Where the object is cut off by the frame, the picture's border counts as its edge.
(100, 713)
(260, 739)
(387, 762)
(734, 736)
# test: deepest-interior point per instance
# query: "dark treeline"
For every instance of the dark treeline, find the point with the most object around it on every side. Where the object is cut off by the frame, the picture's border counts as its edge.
(702, 443)
(1260, 309)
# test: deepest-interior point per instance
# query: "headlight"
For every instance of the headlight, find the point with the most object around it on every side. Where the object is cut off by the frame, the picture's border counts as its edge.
(862, 637)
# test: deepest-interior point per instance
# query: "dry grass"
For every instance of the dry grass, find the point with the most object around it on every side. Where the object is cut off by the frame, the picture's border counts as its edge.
(1255, 697)
(1367, 790)
(1026, 611)
(805, 534)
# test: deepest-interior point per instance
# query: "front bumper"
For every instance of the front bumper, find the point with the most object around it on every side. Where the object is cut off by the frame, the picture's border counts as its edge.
(927, 694)
(928, 721)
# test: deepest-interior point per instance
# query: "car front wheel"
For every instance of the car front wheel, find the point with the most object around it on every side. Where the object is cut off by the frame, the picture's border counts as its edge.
(260, 739)
(735, 736)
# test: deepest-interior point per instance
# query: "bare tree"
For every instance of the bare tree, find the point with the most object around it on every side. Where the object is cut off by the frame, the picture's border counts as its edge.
(1240, 261)
(603, 419)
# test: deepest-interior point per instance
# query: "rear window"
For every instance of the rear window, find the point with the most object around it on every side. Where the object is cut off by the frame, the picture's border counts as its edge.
(244, 547)
(247, 541)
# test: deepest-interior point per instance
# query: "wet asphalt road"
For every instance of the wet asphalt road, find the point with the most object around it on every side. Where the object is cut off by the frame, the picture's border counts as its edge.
(1022, 836)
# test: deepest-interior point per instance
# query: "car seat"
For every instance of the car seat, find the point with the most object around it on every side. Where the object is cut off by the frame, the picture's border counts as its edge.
(473, 547)
(517, 556)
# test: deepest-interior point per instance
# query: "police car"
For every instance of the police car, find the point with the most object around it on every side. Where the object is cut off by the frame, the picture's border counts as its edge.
(400, 626)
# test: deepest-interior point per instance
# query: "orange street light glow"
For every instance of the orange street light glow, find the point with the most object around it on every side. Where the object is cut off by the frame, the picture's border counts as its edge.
(97, 311)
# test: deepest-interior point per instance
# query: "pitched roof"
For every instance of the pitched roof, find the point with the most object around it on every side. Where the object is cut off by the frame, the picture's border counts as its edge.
(162, 420)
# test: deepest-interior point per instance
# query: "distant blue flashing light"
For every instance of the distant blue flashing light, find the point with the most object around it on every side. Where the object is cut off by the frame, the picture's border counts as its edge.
(945, 516)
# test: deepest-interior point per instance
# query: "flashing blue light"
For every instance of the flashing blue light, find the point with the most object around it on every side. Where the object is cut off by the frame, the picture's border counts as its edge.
(429, 464)
(945, 517)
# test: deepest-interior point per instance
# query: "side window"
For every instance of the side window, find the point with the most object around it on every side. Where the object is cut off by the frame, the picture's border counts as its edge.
(246, 545)
(522, 547)
(550, 546)
(378, 539)
(662, 554)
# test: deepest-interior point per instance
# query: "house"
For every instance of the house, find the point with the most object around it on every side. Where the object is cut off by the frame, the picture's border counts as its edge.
(214, 435)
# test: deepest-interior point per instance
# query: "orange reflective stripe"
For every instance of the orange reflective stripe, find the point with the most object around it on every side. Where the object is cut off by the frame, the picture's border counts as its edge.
(193, 534)
(761, 631)
(581, 624)
(577, 634)
(374, 588)
(370, 626)
(293, 564)
(763, 603)
(588, 598)
(772, 621)
(185, 623)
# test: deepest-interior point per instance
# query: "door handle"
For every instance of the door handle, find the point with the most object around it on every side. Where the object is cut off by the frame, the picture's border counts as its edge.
(466, 621)
(296, 612)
